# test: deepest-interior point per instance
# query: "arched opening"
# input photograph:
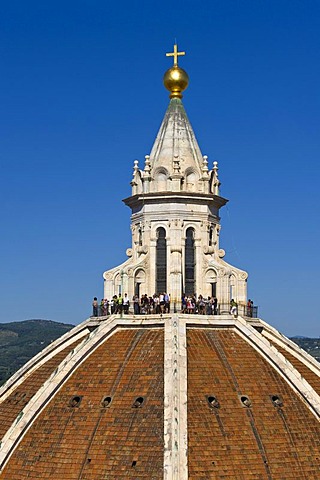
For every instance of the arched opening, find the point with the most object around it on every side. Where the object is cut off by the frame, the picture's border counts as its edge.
(161, 261)
(117, 284)
(232, 287)
(161, 179)
(191, 180)
(211, 282)
(139, 282)
(190, 270)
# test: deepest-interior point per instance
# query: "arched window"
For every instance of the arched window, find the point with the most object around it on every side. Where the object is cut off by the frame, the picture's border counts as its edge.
(190, 271)
(161, 261)
(210, 236)
(211, 283)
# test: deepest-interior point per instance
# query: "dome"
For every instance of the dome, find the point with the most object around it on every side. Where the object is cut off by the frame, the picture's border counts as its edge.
(175, 397)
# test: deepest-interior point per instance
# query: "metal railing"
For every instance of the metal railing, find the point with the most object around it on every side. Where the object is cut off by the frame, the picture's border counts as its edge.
(223, 309)
(243, 310)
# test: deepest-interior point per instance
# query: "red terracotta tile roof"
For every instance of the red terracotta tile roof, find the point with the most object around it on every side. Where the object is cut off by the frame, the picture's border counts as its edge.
(90, 441)
(233, 441)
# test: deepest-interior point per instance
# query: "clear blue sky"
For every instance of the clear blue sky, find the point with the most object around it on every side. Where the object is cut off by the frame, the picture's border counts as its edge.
(81, 98)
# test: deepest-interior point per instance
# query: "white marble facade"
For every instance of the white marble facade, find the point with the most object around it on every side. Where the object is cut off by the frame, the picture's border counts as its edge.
(175, 222)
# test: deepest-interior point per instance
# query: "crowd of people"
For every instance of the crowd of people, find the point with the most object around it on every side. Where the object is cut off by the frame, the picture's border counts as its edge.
(201, 305)
(156, 304)
(161, 303)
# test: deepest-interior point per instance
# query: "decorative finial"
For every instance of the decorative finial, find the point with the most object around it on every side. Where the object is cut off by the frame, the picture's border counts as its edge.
(147, 163)
(175, 79)
(175, 54)
(205, 163)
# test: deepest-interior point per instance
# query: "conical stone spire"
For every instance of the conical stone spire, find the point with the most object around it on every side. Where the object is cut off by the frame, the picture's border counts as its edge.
(176, 152)
(176, 163)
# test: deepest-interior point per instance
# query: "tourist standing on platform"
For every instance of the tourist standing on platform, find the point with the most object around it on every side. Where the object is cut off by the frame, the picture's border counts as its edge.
(144, 304)
(136, 305)
(167, 302)
(249, 312)
(190, 305)
(183, 303)
(201, 305)
(120, 304)
(209, 306)
(233, 307)
(106, 307)
(101, 312)
(156, 304)
(126, 304)
(215, 306)
(114, 304)
(95, 307)
(162, 302)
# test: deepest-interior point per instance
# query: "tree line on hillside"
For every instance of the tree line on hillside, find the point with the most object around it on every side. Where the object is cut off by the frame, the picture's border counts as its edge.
(20, 341)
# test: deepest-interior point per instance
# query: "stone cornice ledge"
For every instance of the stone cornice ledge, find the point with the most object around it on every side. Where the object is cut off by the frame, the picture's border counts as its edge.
(175, 197)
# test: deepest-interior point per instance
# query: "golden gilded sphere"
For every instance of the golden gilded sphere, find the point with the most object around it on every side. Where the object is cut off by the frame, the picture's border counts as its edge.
(176, 81)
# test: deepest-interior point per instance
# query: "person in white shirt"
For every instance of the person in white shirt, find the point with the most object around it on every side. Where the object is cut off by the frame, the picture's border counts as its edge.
(126, 304)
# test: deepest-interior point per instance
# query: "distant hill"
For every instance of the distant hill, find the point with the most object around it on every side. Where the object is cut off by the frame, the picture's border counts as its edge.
(310, 345)
(20, 341)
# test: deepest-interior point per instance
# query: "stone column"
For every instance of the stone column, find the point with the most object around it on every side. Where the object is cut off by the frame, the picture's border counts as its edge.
(242, 287)
(175, 277)
(199, 273)
(152, 266)
(108, 285)
(223, 287)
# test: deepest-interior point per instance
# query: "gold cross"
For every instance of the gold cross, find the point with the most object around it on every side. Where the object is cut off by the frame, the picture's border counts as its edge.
(175, 54)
